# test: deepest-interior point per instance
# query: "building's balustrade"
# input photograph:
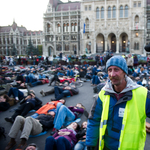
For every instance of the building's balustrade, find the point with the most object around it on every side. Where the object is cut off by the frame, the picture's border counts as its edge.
(71, 13)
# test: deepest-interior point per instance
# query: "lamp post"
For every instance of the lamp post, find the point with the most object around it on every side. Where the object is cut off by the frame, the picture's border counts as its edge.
(128, 46)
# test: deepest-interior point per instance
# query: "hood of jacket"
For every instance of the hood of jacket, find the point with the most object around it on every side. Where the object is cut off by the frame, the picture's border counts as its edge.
(130, 86)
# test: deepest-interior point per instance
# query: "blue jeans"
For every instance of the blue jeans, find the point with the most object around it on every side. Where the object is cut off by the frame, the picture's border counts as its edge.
(95, 80)
(36, 83)
(81, 145)
(63, 116)
(16, 93)
(57, 144)
(35, 115)
(30, 79)
(70, 73)
(60, 93)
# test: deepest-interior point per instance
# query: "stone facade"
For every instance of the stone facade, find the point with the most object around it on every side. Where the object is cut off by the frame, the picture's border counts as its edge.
(117, 25)
(61, 28)
(18, 37)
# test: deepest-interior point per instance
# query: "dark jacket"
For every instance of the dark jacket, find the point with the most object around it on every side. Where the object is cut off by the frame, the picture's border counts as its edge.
(74, 91)
(38, 103)
(4, 106)
(46, 121)
(80, 134)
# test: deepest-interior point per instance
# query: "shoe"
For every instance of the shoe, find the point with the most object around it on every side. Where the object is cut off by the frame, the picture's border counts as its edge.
(54, 131)
(42, 93)
(30, 84)
(21, 146)
(53, 99)
(49, 84)
(10, 119)
(10, 145)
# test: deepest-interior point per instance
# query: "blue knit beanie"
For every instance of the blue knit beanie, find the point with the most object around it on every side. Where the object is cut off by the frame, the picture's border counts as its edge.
(118, 61)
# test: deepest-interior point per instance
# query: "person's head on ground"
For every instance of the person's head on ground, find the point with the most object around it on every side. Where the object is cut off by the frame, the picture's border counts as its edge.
(52, 113)
(117, 69)
(79, 105)
(74, 125)
(84, 125)
(32, 146)
(62, 101)
(4, 98)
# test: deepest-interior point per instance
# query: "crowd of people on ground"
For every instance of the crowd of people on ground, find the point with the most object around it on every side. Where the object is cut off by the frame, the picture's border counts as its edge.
(16, 87)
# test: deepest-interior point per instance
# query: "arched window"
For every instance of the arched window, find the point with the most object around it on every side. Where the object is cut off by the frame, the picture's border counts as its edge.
(72, 27)
(121, 11)
(76, 27)
(136, 46)
(58, 28)
(114, 11)
(102, 13)
(109, 12)
(126, 11)
(97, 13)
(68, 27)
(136, 21)
(64, 27)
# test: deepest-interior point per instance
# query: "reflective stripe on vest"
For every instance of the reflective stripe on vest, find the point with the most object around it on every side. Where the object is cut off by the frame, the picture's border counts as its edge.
(133, 132)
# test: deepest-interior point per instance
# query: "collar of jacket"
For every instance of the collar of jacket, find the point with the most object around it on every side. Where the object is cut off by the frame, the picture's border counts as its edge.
(126, 97)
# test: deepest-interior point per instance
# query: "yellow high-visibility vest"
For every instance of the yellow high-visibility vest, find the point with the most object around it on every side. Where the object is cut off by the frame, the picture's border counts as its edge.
(133, 132)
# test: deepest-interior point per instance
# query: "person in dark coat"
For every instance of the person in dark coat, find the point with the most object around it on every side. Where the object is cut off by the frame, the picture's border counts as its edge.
(30, 102)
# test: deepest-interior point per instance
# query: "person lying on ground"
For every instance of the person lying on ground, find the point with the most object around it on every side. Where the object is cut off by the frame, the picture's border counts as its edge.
(32, 146)
(50, 106)
(81, 137)
(29, 126)
(64, 92)
(42, 79)
(52, 90)
(6, 102)
(65, 115)
(30, 102)
(64, 139)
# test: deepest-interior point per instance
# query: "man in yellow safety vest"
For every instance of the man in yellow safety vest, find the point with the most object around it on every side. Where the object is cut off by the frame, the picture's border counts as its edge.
(118, 116)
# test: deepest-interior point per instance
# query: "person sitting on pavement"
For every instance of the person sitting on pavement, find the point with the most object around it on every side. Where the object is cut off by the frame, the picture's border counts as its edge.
(95, 80)
(29, 126)
(64, 92)
(64, 139)
(30, 102)
(70, 72)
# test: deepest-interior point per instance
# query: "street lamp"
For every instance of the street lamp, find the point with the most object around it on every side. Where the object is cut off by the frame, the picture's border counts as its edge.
(128, 45)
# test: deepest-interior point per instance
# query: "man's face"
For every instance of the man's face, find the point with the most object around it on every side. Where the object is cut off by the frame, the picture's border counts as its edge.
(116, 75)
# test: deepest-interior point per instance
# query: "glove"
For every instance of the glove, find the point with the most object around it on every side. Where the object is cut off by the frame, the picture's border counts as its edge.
(90, 147)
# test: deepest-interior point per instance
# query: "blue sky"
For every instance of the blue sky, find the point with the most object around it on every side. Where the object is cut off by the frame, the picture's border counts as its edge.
(28, 13)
